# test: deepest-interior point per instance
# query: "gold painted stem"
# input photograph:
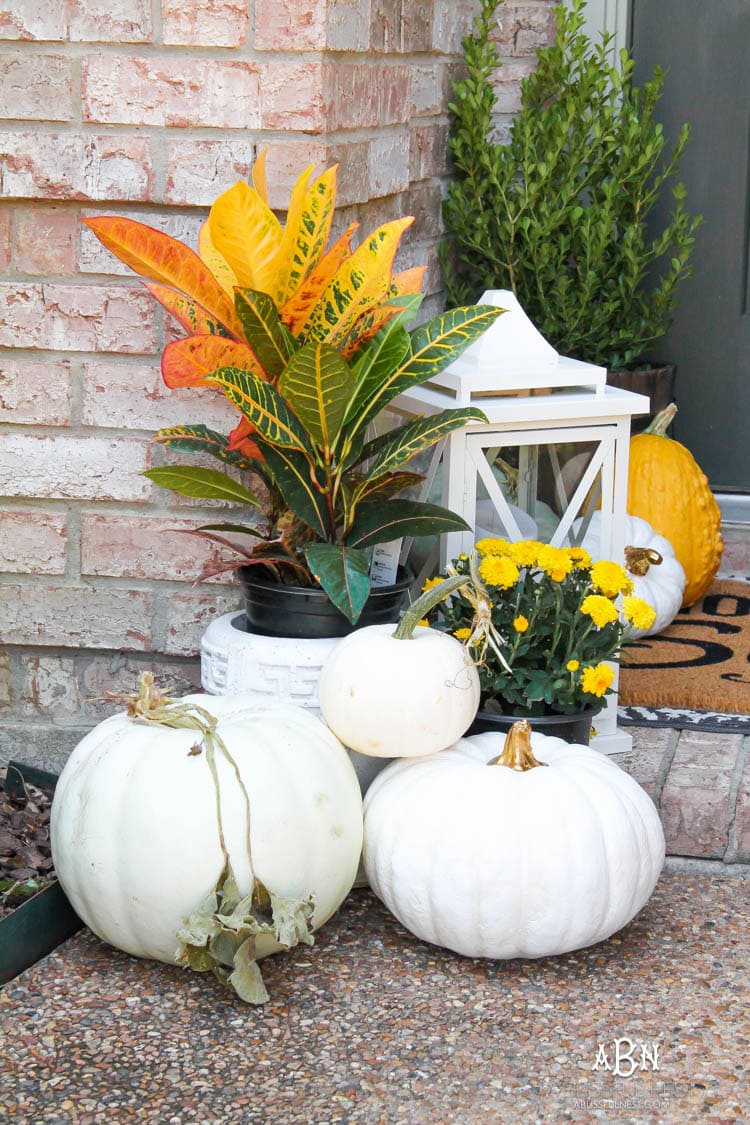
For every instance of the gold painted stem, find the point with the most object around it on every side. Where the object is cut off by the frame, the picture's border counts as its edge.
(517, 753)
(639, 560)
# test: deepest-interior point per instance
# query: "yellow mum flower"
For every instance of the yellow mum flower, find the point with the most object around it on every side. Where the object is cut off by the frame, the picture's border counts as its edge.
(525, 551)
(580, 557)
(493, 546)
(431, 582)
(600, 609)
(462, 634)
(554, 561)
(638, 612)
(596, 680)
(424, 622)
(611, 578)
(520, 623)
(498, 570)
(573, 665)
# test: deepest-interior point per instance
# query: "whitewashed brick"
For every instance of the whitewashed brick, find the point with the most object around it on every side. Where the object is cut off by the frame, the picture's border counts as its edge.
(134, 397)
(75, 617)
(89, 468)
(73, 166)
(34, 392)
(171, 91)
(32, 542)
(36, 87)
(78, 318)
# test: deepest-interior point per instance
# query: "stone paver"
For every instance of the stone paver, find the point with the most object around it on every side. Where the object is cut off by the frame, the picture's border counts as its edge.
(740, 835)
(697, 797)
(649, 760)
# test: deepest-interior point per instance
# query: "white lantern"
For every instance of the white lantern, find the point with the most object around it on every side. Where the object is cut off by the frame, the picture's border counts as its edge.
(555, 446)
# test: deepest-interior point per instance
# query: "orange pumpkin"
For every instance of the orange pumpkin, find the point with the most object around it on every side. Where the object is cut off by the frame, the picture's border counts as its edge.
(667, 488)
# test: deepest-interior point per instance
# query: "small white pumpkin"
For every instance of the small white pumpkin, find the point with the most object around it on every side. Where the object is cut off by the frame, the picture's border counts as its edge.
(141, 833)
(400, 692)
(508, 857)
(657, 575)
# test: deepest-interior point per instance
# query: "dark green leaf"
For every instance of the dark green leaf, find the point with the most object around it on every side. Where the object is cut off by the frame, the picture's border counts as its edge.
(392, 519)
(263, 330)
(291, 471)
(410, 439)
(344, 574)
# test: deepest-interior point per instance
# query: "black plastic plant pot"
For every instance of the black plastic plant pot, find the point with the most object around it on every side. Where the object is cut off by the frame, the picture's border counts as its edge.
(43, 922)
(275, 610)
(574, 728)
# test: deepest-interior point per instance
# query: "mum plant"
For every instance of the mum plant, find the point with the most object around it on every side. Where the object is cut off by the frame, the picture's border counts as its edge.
(310, 344)
(543, 623)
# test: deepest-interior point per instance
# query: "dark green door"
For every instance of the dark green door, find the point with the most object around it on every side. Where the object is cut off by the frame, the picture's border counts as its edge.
(704, 45)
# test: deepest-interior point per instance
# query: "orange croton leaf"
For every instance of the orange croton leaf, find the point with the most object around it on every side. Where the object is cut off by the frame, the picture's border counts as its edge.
(240, 440)
(193, 317)
(297, 309)
(186, 363)
(161, 258)
(247, 234)
(408, 281)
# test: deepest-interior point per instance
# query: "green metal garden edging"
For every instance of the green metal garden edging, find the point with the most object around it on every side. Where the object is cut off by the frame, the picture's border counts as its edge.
(37, 927)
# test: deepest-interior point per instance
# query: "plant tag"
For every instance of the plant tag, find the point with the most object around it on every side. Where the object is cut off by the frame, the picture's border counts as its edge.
(384, 565)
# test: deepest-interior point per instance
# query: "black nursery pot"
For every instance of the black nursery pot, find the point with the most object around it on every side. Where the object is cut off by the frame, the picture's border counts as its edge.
(275, 610)
(571, 728)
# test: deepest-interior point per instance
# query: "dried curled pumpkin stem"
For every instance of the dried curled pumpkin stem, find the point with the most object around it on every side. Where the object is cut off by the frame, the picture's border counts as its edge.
(517, 753)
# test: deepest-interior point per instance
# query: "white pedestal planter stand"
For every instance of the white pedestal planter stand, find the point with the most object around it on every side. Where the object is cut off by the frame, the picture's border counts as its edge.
(285, 669)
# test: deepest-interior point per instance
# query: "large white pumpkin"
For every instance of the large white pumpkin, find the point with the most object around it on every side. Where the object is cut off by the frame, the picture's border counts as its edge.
(492, 862)
(660, 583)
(134, 825)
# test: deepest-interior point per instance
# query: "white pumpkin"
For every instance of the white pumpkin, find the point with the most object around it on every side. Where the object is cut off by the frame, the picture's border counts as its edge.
(658, 577)
(389, 697)
(494, 861)
(134, 827)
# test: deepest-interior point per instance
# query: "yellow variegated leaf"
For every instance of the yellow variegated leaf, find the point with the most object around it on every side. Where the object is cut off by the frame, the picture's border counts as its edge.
(308, 224)
(297, 309)
(216, 262)
(361, 282)
(247, 234)
(259, 175)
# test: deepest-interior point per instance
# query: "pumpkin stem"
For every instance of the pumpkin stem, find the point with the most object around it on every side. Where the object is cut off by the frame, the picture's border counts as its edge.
(663, 420)
(424, 603)
(638, 560)
(517, 753)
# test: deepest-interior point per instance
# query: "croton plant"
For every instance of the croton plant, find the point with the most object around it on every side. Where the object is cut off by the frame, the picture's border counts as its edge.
(310, 343)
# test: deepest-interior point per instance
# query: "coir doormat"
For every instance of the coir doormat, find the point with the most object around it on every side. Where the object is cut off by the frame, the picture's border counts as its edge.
(700, 663)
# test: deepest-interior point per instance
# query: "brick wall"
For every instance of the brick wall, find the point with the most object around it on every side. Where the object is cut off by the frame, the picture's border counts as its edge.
(151, 108)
